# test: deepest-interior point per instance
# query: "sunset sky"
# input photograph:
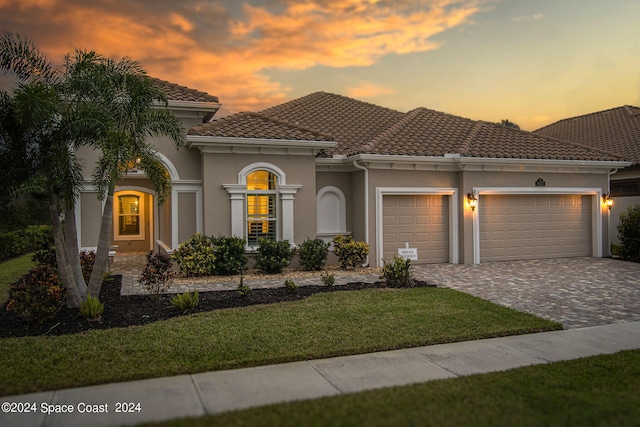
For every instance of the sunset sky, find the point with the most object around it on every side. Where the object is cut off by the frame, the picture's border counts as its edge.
(530, 61)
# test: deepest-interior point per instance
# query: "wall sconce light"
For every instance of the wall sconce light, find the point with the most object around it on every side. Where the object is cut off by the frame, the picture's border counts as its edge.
(472, 201)
(607, 200)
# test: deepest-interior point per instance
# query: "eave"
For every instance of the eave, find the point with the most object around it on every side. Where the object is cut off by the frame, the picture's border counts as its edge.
(227, 145)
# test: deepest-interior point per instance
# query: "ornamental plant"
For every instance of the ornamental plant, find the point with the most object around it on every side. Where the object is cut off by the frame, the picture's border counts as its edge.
(629, 233)
(313, 254)
(350, 253)
(38, 295)
(186, 301)
(273, 256)
(290, 286)
(157, 274)
(196, 256)
(397, 274)
(328, 279)
(230, 255)
(91, 308)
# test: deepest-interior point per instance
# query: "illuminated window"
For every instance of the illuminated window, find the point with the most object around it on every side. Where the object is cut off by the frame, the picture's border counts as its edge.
(261, 206)
(128, 215)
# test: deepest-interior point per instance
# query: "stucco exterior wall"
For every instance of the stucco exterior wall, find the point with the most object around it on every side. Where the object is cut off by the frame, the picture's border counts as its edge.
(343, 181)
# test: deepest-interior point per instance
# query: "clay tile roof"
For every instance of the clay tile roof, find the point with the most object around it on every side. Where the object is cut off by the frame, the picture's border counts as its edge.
(176, 92)
(616, 130)
(257, 125)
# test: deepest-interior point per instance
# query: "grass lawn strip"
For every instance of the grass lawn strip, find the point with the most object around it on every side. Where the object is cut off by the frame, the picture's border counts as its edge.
(323, 325)
(11, 270)
(594, 391)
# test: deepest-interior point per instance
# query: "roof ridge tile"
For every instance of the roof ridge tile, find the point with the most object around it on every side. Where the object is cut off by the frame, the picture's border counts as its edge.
(468, 141)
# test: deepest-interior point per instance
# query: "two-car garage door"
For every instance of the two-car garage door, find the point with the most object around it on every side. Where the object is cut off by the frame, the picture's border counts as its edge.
(514, 227)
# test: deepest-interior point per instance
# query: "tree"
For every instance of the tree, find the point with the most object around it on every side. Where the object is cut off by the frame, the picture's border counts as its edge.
(509, 124)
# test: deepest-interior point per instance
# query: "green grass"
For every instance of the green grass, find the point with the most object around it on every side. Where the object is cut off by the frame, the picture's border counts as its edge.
(324, 325)
(594, 391)
(11, 270)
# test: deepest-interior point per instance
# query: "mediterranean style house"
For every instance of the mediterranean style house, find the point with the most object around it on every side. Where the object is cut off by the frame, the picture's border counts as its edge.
(617, 130)
(441, 188)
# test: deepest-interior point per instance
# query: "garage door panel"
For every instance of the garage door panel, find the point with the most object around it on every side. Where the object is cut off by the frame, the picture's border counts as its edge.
(534, 226)
(422, 221)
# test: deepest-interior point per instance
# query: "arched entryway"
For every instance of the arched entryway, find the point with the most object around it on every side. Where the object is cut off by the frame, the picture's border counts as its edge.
(133, 220)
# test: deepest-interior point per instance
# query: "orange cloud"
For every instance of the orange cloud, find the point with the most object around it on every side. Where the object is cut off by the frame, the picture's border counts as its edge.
(368, 90)
(225, 50)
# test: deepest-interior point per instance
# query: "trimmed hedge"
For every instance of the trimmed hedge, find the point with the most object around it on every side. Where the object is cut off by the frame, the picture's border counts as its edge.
(28, 239)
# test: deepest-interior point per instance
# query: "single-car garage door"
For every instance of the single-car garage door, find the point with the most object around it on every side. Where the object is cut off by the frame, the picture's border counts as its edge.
(514, 227)
(420, 220)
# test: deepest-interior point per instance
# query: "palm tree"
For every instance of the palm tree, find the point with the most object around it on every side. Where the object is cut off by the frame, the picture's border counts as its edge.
(129, 102)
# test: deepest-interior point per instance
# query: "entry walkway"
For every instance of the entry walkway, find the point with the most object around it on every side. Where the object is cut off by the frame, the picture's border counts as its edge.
(215, 392)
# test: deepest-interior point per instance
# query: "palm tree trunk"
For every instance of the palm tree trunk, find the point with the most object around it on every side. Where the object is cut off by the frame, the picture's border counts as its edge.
(71, 239)
(66, 273)
(104, 241)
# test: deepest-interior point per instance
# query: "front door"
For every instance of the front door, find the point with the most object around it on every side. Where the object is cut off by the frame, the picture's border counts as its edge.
(132, 228)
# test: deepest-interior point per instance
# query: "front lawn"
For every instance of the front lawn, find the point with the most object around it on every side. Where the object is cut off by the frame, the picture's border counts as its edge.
(594, 391)
(323, 325)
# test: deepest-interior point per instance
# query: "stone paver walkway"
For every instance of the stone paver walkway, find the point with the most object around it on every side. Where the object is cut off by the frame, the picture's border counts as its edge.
(576, 292)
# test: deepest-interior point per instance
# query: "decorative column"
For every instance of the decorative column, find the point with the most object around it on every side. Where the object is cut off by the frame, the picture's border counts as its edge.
(238, 194)
(287, 196)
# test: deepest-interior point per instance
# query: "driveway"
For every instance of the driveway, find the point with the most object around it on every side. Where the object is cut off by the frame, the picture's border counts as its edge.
(576, 292)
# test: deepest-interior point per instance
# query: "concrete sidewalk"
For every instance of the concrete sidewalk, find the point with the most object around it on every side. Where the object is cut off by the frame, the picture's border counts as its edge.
(214, 392)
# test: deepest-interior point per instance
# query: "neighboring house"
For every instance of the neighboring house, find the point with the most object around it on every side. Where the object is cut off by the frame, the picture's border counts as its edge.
(325, 164)
(616, 130)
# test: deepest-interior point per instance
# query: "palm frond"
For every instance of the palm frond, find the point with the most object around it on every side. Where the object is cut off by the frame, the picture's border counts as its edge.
(20, 57)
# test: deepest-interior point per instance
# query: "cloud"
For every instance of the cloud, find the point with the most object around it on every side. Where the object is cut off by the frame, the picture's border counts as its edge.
(368, 90)
(225, 48)
(534, 17)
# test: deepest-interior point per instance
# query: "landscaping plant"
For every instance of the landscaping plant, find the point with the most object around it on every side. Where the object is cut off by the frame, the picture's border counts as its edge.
(290, 286)
(186, 301)
(230, 255)
(328, 278)
(157, 275)
(37, 296)
(91, 308)
(196, 256)
(397, 274)
(313, 254)
(629, 233)
(273, 256)
(243, 288)
(350, 253)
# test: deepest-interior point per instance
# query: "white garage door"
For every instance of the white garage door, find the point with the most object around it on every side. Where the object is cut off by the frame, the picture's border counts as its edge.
(421, 221)
(514, 227)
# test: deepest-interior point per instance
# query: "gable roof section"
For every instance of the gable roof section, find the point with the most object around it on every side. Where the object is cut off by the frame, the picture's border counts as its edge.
(362, 128)
(616, 130)
(176, 92)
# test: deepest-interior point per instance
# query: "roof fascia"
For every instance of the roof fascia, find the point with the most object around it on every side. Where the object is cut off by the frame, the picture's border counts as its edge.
(190, 105)
(221, 145)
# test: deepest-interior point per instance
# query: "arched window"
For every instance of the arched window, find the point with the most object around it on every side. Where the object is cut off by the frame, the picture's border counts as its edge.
(261, 206)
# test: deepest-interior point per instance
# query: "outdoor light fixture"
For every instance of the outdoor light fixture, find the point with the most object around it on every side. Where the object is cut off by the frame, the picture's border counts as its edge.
(472, 200)
(607, 200)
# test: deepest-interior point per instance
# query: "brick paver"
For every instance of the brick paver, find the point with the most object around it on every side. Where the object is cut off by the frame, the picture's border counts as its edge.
(577, 292)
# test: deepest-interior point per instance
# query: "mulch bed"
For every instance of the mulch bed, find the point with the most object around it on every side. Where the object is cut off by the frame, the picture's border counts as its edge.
(129, 310)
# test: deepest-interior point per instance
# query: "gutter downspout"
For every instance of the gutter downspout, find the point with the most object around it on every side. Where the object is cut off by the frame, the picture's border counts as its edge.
(366, 203)
(613, 171)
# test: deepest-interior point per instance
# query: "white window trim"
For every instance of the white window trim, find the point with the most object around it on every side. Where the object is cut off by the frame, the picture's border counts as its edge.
(420, 191)
(285, 198)
(596, 211)
(141, 215)
(343, 208)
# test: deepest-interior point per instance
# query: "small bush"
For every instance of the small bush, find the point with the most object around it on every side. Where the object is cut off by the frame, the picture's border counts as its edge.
(45, 256)
(230, 255)
(629, 233)
(196, 256)
(313, 254)
(397, 274)
(351, 254)
(157, 275)
(87, 259)
(91, 308)
(28, 239)
(273, 256)
(290, 286)
(186, 301)
(328, 278)
(38, 295)
(243, 288)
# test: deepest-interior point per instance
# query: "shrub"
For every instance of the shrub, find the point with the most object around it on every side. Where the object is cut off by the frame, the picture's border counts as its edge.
(196, 256)
(273, 256)
(397, 274)
(313, 254)
(91, 308)
(38, 295)
(87, 259)
(186, 301)
(18, 242)
(243, 288)
(230, 255)
(156, 276)
(350, 253)
(629, 233)
(290, 286)
(328, 278)
(45, 256)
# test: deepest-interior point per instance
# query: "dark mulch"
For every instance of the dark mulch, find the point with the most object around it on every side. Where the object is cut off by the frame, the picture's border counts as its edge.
(123, 311)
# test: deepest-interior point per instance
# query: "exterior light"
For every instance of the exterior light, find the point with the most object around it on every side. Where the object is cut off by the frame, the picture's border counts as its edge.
(472, 201)
(607, 200)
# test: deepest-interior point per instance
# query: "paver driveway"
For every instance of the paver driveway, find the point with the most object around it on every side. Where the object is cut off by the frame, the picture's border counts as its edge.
(577, 292)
